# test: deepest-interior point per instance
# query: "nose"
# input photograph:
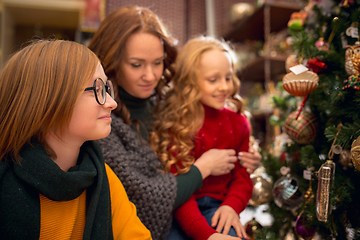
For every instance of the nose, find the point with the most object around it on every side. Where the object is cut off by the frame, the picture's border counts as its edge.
(110, 102)
(149, 74)
(224, 85)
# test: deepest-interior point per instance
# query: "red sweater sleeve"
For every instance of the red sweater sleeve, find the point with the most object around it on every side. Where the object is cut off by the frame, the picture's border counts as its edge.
(241, 186)
(192, 222)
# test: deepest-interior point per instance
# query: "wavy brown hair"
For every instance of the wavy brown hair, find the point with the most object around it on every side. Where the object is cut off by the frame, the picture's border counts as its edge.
(181, 114)
(39, 86)
(109, 42)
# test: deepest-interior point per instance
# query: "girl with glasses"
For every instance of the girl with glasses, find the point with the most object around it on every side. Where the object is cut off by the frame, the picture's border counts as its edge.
(54, 183)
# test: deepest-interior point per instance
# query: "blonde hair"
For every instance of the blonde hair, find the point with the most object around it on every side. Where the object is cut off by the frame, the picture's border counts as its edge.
(39, 86)
(110, 40)
(181, 114)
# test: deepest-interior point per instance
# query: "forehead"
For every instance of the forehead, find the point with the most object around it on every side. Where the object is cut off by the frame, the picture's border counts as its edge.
(144, 44)
(215, 59)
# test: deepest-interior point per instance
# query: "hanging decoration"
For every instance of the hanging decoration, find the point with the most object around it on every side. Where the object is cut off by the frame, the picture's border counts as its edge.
(315, 65)
(286, 192)
(321, 44)
(251, 227)
(355, 153)
(301, 129)
(300, 84)
(297, 20)
(326, 175)
(262, 191)
(352, 66)
(302, 226)
(345, 159)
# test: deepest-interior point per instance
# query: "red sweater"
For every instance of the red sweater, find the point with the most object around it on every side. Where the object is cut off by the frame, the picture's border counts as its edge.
(222, 129)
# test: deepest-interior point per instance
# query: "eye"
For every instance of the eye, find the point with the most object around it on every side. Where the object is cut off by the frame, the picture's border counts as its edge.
(212, 80)
(229, 78)
(135, 65)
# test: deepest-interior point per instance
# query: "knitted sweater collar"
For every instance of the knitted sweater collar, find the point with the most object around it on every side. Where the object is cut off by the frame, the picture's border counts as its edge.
(20, 185)
(132, 102)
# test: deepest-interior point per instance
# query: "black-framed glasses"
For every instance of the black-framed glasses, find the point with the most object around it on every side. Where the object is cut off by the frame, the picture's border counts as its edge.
(100, 89)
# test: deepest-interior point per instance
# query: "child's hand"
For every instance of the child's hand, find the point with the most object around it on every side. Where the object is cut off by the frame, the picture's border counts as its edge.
(220, 236)
(250, 160)
(224, 218)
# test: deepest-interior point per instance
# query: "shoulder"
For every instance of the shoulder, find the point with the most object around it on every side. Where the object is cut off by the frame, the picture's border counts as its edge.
(235, 116)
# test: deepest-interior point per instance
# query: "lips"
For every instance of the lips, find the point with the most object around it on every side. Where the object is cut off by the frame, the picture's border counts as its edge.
(106, 117)
(220, 97)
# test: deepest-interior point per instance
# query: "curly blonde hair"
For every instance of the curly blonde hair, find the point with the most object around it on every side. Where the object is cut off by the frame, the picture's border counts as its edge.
(181, 115)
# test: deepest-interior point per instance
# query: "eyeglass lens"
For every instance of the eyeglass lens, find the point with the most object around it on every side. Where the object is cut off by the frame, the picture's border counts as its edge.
(101, 89)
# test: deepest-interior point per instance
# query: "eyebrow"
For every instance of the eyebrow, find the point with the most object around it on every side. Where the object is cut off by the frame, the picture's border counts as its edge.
(143, 60)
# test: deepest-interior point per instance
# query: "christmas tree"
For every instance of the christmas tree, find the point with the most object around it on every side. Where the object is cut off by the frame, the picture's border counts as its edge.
(315, 162)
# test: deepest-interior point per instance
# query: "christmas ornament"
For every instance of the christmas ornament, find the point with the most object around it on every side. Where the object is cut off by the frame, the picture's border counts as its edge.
(325, 180)
(322, 45)
(353, 31)
(352, 66)
(337, 149)
(281, 141)
(352, 82)
(326, 175)
(297, 21)
(302, 224)
(300, 84)
(346, 3)
(355, 153)
(352, 59)
(302, 227)
(315, 65)
(301, 129)
(286, 193)
(251, 227)
(262, 191)
(345, 159)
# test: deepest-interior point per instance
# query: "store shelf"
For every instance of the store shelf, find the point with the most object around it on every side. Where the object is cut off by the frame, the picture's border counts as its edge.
(255, 70)
(252, 27)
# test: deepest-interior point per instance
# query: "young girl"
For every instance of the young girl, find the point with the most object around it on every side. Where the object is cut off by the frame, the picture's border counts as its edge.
(192, 120)
(55, 100)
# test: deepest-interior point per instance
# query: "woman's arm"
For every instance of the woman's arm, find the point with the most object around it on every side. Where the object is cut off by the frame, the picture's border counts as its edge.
(213, 162)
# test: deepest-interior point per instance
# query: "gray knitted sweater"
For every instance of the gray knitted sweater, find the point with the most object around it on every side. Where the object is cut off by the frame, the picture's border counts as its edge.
(138, 168)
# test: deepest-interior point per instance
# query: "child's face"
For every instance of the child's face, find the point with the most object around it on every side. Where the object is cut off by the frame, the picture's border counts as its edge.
(142, 64)
(90, 120)
(215, 78)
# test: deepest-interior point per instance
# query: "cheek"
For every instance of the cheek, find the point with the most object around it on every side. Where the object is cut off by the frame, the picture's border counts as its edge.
(128, 78)
(158, 72)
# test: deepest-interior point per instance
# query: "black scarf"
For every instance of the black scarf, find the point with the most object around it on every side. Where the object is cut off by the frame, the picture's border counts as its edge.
(20, 186)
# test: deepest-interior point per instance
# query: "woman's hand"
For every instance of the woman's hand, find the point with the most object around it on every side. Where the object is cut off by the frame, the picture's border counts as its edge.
(224, 218)
(216, 162)
(250, 160)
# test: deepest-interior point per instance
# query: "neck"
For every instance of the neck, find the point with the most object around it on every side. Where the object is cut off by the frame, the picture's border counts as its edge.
(67, 152)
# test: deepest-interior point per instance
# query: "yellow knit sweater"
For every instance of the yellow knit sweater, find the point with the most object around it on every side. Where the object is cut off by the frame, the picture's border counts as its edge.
(66, 219)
